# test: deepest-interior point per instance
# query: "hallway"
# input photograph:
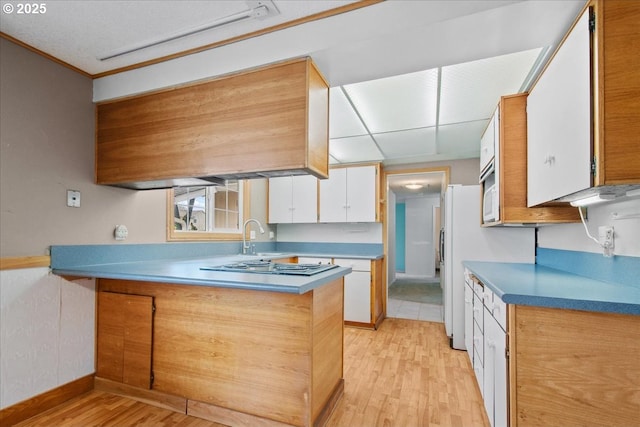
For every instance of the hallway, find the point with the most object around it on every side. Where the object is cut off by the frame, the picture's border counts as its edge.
(416, 299)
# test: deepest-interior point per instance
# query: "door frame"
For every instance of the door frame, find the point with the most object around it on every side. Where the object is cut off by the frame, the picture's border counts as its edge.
(446, 170)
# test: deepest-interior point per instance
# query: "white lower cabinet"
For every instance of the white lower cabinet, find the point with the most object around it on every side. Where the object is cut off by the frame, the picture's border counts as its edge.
(357, 290)
(314, 260)
(486, 342)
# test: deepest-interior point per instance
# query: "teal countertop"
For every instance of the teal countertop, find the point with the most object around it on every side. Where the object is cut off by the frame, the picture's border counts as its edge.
(188, 272)
(538, 285)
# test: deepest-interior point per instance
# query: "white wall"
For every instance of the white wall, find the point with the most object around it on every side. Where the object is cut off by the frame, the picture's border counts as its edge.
(573, 236)
(391, 236)
(47, 334)
(419, 238)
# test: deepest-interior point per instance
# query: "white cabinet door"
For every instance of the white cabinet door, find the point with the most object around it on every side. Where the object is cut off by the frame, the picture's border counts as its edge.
(357, 297)
(349, 195)
(280, 206)
(357, 290)
(361, 194)
(293, 199)
(333, 196)
(313, 260)
(489, 365)
(468, 321)
(559, 122)
(495, 372)
(487, 143)
(304, 199)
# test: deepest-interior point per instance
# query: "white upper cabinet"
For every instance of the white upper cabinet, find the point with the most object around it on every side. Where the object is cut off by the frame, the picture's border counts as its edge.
(349, 195)
(488, 144)
(293, 199)
(559, 125)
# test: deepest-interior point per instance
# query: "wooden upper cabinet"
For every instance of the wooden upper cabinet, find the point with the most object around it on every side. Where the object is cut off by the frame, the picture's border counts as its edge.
(511, 169)
(265, 122)
(584, 114)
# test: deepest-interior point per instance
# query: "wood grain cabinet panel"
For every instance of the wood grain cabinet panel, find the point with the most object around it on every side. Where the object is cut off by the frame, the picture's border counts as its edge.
(125, 325)
(246, 357)
(265, 121)
(573, 368)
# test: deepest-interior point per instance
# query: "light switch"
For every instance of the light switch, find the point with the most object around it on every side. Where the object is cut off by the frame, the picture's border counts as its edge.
(73, 198)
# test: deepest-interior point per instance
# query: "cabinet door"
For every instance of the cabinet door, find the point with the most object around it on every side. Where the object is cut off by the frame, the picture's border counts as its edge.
(559, 122)
(361, 194)
(468, 321)
(125, 326)
(280, 197)
(304, 199)
(487, 144)
(357, 297)
(333, 196)
(489, 364)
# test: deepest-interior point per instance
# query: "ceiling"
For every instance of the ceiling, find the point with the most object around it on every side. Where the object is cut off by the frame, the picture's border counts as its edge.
(412, 81)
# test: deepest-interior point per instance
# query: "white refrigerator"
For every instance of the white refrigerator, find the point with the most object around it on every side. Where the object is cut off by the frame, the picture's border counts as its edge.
(465, 240)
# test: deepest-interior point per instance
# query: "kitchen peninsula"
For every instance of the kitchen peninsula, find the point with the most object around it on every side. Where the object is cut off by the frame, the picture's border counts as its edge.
(235, 348)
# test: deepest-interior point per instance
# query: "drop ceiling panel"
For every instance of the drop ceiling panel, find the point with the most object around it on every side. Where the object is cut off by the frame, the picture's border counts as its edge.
(355, 149)
(407, 143)
(396, 103)
(343, 120)
(462, 139)
(471, 90)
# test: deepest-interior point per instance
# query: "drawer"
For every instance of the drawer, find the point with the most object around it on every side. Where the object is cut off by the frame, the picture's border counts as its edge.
(479, 371)
(478, 313)
(309, 260)
(487, 298)
(500, 312)
(355, 264)
(478, 288)
(478, 344)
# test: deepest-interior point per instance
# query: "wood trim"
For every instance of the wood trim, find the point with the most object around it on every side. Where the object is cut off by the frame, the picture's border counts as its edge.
(44, 54)
(360, 324)
(285, 25)
(331, 404)
(151, 397)
(15, 263)
(208, 236)
(229, 417)
(45, 401)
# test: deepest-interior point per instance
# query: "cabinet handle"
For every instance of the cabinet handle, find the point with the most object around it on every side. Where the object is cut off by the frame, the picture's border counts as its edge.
(549, 160)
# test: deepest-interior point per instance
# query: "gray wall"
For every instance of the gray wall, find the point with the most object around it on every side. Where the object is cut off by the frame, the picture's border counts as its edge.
(47, 147)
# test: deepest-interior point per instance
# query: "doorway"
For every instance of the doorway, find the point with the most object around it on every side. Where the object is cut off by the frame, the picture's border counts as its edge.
(412, 230)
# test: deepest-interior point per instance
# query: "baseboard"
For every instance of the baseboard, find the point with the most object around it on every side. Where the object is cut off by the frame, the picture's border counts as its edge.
(360, 324)
(151, 397)
(229, 417)
(36, 405)
(331, 404)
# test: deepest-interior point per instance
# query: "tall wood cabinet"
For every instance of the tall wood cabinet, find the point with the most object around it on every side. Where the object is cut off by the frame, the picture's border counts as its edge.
(255, 123)
(507, 132)
(583, 111)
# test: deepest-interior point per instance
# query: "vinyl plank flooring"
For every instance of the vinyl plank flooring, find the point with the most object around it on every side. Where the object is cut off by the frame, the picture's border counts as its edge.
(402, 375)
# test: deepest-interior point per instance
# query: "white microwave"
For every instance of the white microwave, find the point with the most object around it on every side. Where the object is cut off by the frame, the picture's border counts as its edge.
(490, 204)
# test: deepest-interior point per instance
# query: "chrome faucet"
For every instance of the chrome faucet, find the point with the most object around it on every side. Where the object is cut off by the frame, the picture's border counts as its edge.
(246, 246)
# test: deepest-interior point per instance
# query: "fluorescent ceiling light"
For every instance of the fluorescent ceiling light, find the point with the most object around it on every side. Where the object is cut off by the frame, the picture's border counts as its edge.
(257, 10)
(413, 186)
(592, 200)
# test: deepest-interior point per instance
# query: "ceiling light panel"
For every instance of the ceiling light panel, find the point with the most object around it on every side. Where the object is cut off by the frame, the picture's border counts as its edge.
(355, 149)
(343, 120)
(471, 90)
(395, 103)
(461, 140)
(414, 142)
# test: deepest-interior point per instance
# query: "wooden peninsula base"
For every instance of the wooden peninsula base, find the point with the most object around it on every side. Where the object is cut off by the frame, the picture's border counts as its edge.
(233, 356)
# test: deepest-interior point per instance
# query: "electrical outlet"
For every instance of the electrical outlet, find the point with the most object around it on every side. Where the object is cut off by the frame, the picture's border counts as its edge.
(606, 239)
(73, 198)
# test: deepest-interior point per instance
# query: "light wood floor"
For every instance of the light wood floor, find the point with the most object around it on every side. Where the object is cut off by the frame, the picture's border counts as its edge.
(402, 375)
